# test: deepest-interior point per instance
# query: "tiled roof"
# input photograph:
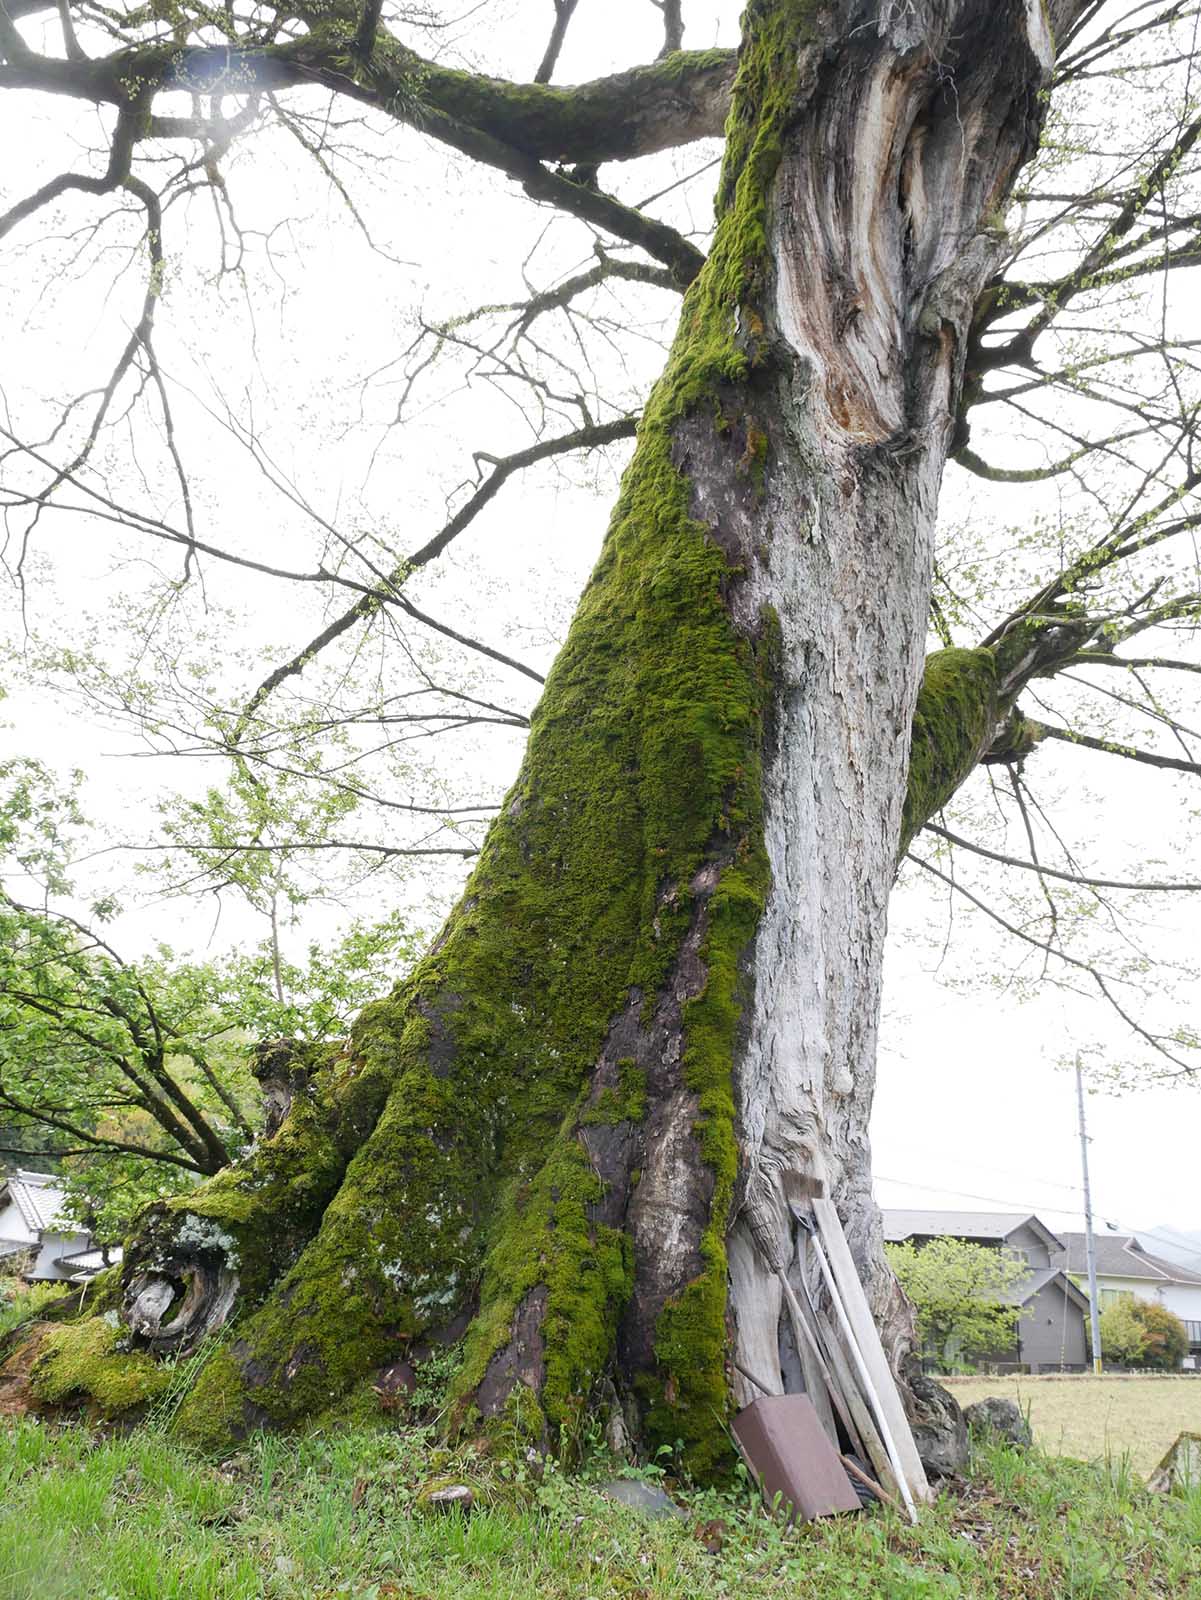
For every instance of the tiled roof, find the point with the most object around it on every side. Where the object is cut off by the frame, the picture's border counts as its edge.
(998, 1225)
(38, 1197)
(1121, 1256)
(1038, 1279)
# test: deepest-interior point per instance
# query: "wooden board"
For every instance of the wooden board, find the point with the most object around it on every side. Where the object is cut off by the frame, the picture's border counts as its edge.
(877, 1456)
(863, 1324)
(815, 1378)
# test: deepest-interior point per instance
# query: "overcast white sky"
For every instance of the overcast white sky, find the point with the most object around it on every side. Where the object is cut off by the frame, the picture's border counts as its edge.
(974, 1107)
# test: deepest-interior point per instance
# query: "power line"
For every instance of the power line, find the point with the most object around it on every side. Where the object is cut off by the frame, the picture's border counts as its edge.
(989, 1199)
(996, 1172)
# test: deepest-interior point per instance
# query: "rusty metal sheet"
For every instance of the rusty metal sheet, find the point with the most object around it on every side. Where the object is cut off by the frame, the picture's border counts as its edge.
(786, 1448)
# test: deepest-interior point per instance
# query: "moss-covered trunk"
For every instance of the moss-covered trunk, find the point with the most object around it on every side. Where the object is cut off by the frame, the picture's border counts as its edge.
(574, 1132)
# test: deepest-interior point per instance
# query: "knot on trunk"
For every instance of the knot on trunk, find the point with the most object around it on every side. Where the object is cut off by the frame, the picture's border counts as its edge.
(179, 1283)
(283, 1069)
(939, 1430)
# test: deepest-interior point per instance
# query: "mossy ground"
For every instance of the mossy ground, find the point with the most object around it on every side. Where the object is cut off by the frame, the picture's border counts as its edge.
(80, 1361)
(138, 1517)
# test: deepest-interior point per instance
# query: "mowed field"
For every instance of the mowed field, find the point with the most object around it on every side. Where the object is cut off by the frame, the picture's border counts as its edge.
(1090, 1417)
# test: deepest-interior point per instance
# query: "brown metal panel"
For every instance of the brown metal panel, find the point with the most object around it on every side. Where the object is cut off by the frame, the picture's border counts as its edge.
(786, 1448)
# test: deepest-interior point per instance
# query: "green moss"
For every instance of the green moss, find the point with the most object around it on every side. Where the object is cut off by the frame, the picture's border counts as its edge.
(547, 1241)
(625, 1103)
(689, 1398)
(569, 124)
(259, 1213)
(215, 1410)
(103, 1292)
(956, 714)
(81, 1362)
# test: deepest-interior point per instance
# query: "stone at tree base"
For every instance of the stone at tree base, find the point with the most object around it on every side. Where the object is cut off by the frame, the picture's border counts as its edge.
(1002, 1418)
(448, 1497)
(939, 1429)
(1180, 1467)
(644, 1497)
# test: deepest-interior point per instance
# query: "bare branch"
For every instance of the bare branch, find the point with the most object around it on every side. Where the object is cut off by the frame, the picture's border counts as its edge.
(1149, 758)
(503, 469)
(1102, 658)
(564, 11)
(1055, 872)
(1102, 983)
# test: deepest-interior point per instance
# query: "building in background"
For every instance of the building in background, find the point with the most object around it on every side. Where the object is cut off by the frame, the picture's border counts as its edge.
(33, 1231)
(1050, 1332)
(1126, 1270)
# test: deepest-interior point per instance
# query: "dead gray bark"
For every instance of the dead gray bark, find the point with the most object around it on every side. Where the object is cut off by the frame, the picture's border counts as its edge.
(884, 232)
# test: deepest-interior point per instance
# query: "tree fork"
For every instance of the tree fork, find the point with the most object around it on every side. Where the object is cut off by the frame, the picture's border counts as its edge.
(655, 1008)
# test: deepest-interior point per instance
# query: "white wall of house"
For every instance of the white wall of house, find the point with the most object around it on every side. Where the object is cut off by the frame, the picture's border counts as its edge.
(1184, 1299)
(55, 1245)
(13, 1225)
(1109, 1288)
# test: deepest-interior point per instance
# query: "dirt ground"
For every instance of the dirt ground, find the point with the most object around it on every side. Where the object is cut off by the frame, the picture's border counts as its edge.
(1090, 1417)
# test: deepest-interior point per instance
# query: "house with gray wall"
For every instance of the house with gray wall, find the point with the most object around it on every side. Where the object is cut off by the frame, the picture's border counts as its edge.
(1050, 1333)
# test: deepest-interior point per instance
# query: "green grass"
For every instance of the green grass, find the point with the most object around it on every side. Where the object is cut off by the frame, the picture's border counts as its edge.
(21, 1302)
(89, 1517)
(1137, 1417)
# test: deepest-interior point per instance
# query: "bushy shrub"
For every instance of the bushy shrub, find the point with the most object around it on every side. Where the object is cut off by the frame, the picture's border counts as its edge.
(961, 1293)
(1142, 1333)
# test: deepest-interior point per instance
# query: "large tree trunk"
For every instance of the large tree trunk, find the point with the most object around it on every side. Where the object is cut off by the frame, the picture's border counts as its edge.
(651, 1022)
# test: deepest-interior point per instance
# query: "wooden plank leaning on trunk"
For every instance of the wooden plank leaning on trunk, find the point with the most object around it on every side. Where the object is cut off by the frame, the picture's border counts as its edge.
(818, 1384)
(873, 1445)
(863, 1325)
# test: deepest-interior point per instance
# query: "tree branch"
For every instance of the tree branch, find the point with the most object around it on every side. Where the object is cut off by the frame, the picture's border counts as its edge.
(1054, 872)
(112, 1146)
(1149, 758)
(1102, 658)
(673, 25)
(368, 605)
(620, 118)
(564, 11)
(1156, 1043)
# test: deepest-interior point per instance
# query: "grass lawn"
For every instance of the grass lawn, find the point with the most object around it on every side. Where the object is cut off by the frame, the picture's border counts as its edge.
(89, 1517)
(1091, 1417)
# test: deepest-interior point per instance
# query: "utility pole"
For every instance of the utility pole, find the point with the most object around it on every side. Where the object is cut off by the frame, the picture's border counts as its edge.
(1090, 1246)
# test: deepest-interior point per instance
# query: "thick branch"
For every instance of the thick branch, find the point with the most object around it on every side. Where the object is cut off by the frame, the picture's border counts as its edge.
(673, 25)
(636, 113)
